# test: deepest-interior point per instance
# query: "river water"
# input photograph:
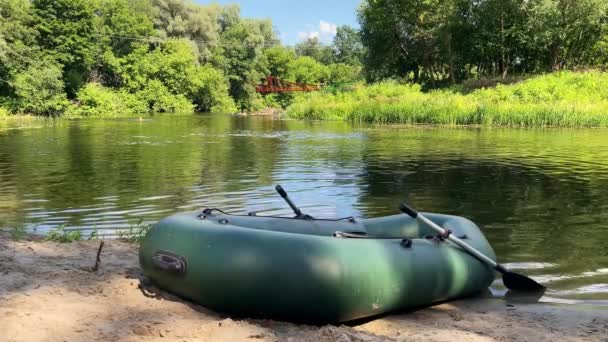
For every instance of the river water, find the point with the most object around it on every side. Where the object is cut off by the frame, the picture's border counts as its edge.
(539, 195)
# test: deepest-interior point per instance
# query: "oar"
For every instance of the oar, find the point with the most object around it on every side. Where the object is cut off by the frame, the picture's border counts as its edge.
(511, 280)
(295, 209)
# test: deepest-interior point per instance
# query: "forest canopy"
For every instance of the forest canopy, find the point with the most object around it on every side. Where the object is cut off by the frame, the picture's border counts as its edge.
(94, 57)
(102, 57)
(454, 40)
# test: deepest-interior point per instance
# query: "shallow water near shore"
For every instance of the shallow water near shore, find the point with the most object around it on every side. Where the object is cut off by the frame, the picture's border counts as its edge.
(538, 194)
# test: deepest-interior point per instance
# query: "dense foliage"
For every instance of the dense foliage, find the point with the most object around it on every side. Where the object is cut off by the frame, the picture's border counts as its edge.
(437, 41)
(110, 57)
(559, 99)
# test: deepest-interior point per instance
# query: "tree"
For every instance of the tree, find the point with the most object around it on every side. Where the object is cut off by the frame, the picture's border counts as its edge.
(171, 63)
(241, 57)
(432, 40)
(119, 21)
(340, 73)
(491, 35)
(307, 70)
(17, 41)
(278, 59)
(121, 25)
(401, 37)
(391, 32)
(208, 90)
(313, 48)
(172, 70)
(171, 17)
(66, 30)
(181, 19)
(567, 29)
(347, 46)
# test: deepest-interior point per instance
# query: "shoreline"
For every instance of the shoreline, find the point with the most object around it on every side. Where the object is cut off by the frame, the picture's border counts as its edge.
(24, 121)
(48, 291)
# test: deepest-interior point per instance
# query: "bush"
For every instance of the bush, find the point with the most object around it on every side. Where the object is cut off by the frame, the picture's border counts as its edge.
(40, 90)
(160, 100)
(208, 90)
(4, 112)
(96, 100)
(307, 70)
(560, 99)
(278, 100)
(340, 73)
(169, 79)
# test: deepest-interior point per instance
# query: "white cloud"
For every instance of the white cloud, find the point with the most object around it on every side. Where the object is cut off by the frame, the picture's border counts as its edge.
(327, 28)
(325, 32)
(308, 35)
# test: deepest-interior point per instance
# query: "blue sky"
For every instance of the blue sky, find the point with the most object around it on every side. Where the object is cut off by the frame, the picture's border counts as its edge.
(296, 20)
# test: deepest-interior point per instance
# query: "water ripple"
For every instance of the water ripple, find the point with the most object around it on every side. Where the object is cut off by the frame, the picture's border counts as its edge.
(538, 195)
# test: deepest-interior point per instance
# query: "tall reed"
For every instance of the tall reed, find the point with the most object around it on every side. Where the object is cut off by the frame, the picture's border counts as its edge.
(566, 99)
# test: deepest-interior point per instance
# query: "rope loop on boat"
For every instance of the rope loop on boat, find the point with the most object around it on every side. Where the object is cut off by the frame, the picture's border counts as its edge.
(439, 238)
(350, 219)
(446, 233)
(351, 235)
(210, 211)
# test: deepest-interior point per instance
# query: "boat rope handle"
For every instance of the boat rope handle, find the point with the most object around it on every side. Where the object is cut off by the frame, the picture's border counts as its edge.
(441, 237)
(405, 242)
(169, 262)
(209, 212)
(351, 235)
(363, 235)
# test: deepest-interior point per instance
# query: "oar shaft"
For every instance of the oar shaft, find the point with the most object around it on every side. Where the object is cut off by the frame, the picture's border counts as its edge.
(457, 241)
(283, 194)
(295, 209)
(511, 280)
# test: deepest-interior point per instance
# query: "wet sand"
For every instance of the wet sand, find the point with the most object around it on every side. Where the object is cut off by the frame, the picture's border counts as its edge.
(48, 292)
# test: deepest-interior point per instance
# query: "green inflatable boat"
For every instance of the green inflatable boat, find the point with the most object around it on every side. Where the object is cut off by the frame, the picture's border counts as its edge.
(313, 270)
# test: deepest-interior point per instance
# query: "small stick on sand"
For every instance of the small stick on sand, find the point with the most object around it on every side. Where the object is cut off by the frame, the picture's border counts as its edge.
(98, 259)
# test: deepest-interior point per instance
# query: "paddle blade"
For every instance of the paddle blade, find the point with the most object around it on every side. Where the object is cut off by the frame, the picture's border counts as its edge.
(518, 282)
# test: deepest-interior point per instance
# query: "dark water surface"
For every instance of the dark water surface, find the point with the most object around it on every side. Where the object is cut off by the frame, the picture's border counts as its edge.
(540, 196)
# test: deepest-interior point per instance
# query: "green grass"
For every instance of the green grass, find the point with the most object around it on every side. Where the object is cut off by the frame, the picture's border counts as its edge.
(135, 233)
(18, 233)
(94, 235)
(61, 235)
(565, 99)
(6, 116)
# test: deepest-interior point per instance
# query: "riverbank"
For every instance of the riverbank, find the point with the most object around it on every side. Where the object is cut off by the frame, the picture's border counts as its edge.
(564, 99)
(48, 291)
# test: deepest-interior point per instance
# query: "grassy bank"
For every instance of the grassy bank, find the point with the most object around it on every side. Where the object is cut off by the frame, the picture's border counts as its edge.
(565, 99)
(7, 121)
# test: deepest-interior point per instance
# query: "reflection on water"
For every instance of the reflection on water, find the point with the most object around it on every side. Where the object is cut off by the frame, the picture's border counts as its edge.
(539, 195)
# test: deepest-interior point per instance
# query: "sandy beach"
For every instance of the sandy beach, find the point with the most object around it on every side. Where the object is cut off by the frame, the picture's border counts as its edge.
(49, 292)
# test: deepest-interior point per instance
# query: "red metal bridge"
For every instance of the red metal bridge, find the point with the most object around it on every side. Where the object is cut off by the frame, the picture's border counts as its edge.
(276, 85)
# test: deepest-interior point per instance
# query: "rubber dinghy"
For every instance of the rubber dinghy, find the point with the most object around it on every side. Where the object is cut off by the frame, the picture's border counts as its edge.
(313, 270)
